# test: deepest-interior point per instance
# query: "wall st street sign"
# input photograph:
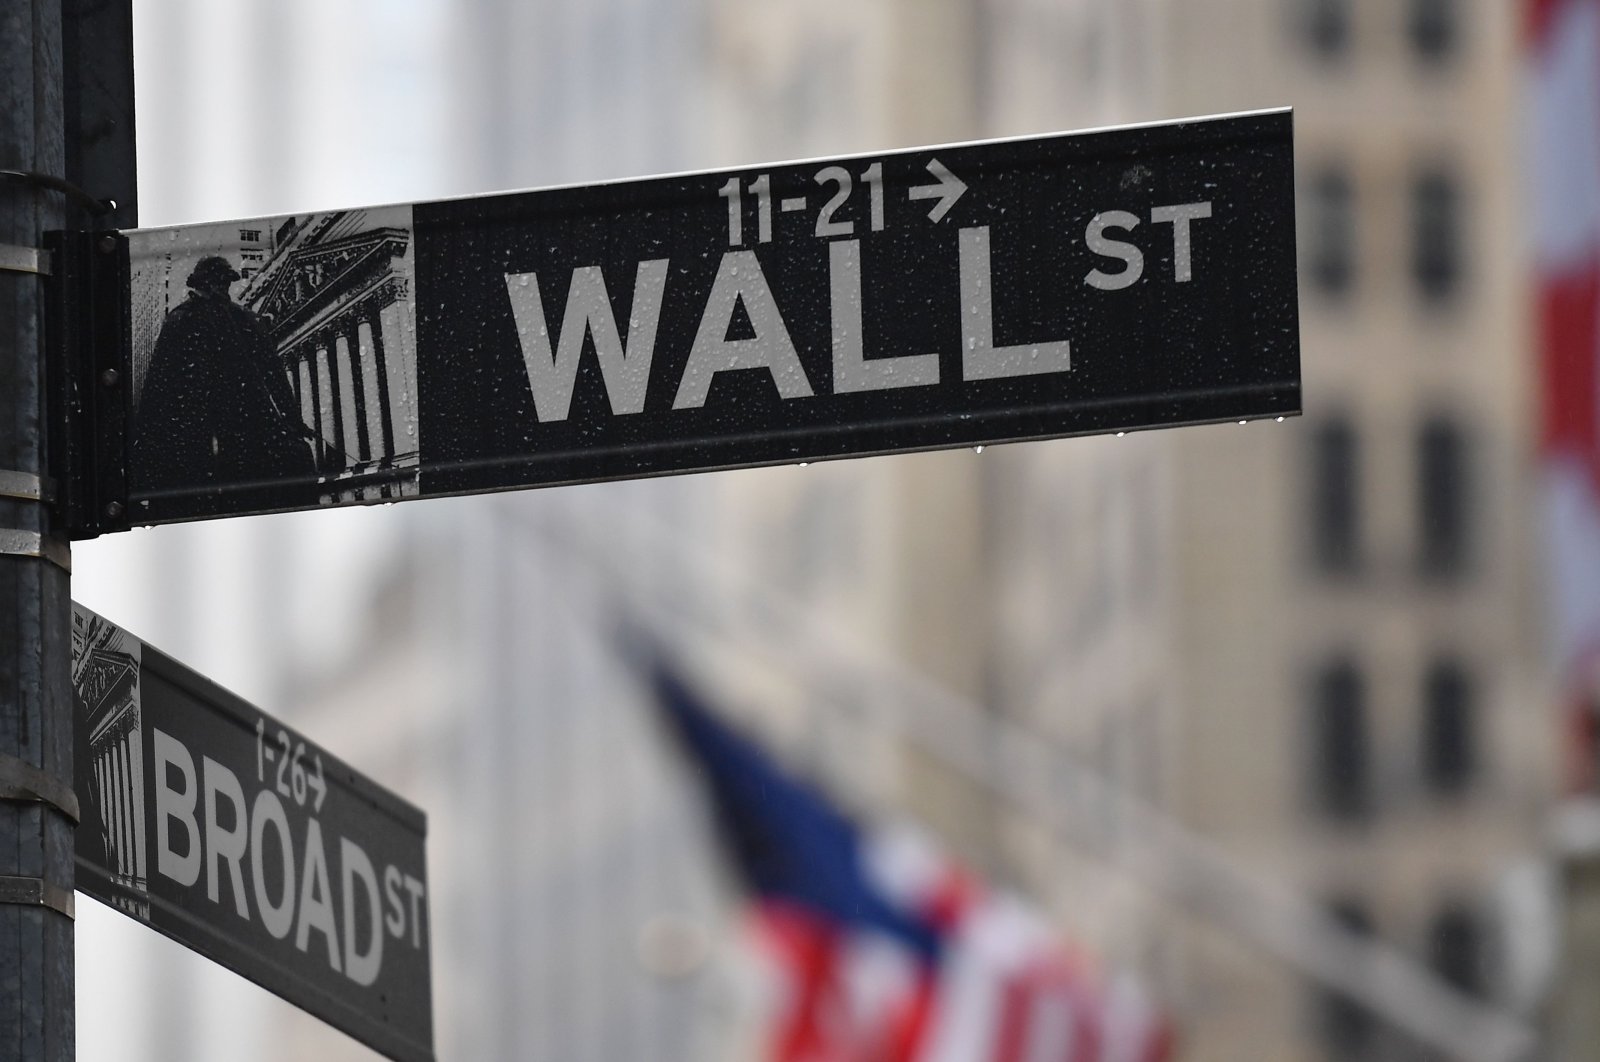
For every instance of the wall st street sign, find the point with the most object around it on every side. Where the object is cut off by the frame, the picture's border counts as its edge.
(227, 831)
(951, 296)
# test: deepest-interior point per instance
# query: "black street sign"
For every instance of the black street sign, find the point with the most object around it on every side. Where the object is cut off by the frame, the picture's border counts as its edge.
(951, 296)
(232, 834)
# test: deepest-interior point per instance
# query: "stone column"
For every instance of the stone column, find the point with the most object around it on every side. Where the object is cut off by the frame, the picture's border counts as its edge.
(134, 742)
(307, 387)
(380, 442)
(328, 400)
(102, 773)
(120, 772)
(350, 430)
(399, 360)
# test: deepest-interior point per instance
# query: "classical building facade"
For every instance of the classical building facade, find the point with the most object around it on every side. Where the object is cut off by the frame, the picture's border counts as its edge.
(105, 686)
(335, 296)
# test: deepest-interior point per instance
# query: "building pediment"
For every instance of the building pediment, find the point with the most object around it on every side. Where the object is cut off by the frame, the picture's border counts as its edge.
(105, 682)
(312, 282)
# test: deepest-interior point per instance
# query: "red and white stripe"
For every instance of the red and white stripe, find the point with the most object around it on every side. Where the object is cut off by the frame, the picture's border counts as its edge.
(1564, 182)
(1005, 991)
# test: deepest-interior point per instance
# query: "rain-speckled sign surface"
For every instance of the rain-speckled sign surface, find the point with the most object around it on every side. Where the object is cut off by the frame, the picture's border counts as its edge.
(963, 295)
(231, 833)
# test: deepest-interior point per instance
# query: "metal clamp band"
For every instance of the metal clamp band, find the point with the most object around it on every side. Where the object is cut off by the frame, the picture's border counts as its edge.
(27, 486)
(15, 543)
(14, 259)
(22, 781)
(97, 207)
(37, 892)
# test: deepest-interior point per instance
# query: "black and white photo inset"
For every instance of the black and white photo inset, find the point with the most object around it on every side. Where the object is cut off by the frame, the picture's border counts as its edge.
(105, 691)
(274, 363)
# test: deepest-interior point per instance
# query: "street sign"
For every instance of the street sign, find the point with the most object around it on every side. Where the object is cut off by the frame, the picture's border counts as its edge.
(950, 296)
(209, 821)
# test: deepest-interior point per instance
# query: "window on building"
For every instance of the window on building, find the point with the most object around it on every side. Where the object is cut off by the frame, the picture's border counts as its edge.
(1348, 1029)
(1449, 722)
(1444, 499)
(1434, 27)
(1332, 231)
(1325, 24)
(250, 235)
(1335, 510)
(1456, 947)
(1436, 244)
(1339, 753)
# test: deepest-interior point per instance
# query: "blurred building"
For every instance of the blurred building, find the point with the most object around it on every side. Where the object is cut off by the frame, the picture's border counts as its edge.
(1313, 643)
(1351, 701)
(1418, 744)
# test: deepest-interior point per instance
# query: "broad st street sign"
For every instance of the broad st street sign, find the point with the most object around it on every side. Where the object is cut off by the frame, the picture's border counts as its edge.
(951, 296)
(227, 831)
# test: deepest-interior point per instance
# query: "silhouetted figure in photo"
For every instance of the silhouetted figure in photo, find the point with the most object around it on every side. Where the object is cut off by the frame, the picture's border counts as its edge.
(216, 408)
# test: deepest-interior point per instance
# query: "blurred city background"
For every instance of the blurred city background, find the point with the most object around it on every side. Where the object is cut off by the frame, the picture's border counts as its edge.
(1268, 717)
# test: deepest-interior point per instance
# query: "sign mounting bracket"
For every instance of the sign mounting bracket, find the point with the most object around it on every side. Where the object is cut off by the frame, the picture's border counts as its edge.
(90, 378)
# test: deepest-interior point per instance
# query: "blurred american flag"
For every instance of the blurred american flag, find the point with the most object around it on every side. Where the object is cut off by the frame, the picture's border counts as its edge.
(876, 947)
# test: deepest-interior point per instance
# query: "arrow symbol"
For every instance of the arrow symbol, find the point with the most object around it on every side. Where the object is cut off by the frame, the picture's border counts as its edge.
(947, 191)
(319, 783)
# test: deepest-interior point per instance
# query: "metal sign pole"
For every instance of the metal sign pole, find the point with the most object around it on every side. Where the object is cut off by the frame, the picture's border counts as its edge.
(37, 812)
